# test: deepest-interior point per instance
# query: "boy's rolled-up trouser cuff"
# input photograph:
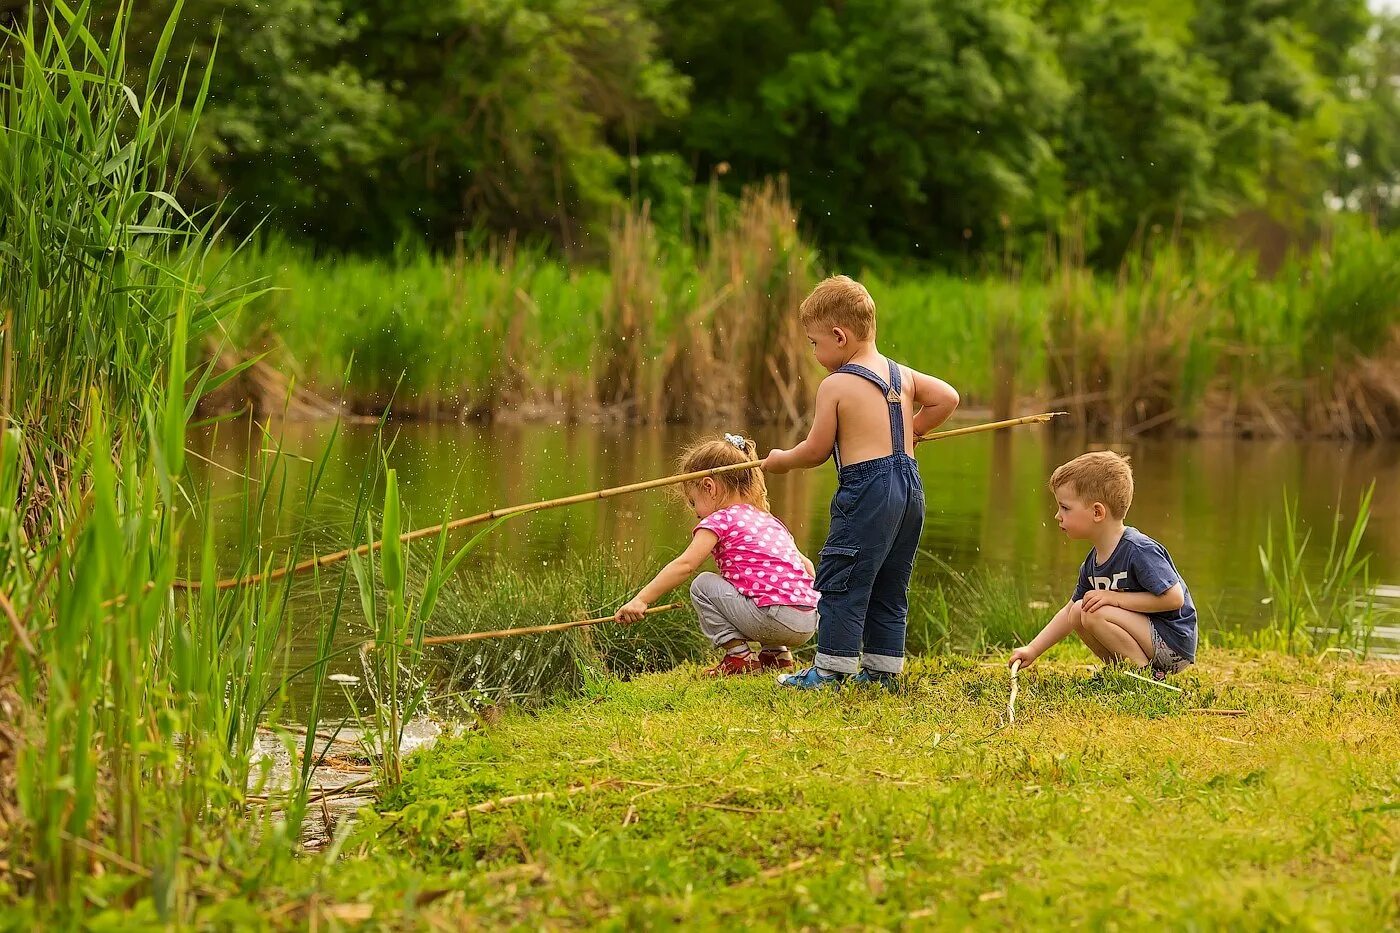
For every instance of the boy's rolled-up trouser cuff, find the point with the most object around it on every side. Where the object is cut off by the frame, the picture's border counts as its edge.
(882, 663)
(836, 663)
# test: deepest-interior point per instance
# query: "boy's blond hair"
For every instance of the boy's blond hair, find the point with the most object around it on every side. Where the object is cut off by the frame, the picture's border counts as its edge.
(840, 301)
(1099, 476)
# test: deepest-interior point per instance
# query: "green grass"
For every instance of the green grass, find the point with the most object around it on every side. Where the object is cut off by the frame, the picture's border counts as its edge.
(1104, 803)
(529, 670)
(721, 803)
(449, 335)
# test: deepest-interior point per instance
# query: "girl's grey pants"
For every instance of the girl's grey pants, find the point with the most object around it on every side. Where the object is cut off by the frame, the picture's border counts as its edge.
(727, 615)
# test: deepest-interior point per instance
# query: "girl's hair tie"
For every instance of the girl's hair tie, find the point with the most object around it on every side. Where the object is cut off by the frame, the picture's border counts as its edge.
(735, 439)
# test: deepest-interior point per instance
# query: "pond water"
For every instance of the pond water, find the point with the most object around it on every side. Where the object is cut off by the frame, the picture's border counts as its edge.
(1209, 501)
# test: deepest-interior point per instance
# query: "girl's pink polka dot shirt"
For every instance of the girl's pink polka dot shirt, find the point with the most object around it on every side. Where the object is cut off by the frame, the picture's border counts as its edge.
(756, 553)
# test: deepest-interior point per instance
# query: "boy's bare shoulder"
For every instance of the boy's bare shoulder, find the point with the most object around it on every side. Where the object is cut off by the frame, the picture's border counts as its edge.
(839, 384)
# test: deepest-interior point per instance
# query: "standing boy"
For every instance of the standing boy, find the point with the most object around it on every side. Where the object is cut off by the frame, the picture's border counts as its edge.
(868, 413)
(1130, 603)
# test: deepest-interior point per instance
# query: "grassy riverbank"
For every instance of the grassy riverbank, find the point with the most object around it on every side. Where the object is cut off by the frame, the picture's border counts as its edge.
(673, 799)
(1109, 801)
(1192, 338)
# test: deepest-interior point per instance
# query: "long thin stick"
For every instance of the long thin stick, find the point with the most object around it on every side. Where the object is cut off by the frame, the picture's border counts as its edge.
(1042, 418)
(594, 496)
(1015, 685)
(533, 629)
(453, 525)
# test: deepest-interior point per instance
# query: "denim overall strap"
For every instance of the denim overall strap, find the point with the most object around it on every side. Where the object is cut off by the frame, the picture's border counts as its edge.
(891, 391)
(896, 410)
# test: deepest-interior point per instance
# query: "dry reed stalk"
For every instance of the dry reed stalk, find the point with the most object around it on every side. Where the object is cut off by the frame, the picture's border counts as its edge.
(490, 806)
(635, 300)
(263, 390)
(768, 270)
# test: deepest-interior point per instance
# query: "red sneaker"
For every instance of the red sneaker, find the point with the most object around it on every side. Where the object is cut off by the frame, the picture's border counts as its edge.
(733, 664)
(774, 661)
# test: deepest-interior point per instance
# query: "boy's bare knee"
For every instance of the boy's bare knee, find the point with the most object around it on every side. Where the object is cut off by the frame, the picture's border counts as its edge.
(1092, 619)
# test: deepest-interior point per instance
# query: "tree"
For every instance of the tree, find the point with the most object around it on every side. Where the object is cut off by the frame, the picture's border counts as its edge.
(909, 126)
(357, 122)
(1368, 153)
(1287, 57)
(1149, 135)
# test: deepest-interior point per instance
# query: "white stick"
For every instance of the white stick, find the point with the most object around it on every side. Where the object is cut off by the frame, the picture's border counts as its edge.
(1155, 683)
(1015, 685)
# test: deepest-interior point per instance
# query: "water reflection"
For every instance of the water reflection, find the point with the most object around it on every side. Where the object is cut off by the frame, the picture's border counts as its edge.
(1210, 501)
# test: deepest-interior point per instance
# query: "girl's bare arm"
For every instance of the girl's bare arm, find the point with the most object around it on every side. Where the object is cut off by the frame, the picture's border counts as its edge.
(671, 576)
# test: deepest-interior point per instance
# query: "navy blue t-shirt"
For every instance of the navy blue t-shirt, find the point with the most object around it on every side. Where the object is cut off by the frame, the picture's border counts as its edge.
(1140, 565)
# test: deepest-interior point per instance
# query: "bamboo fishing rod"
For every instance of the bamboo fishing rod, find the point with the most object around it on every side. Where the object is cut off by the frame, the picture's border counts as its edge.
(595, 496)
(1041, 418)
(534, 629)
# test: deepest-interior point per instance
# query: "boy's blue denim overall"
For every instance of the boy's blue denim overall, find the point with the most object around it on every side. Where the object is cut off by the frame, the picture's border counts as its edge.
(877, 516)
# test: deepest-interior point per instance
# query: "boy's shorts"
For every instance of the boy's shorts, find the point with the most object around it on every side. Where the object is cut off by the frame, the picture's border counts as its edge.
(1165, 659)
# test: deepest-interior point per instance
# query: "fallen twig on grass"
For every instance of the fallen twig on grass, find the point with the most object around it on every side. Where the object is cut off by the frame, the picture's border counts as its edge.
(734, 809)
(491, 806)
(1231, 741)
(350, 789)
(1212, 711)
(1155, 683)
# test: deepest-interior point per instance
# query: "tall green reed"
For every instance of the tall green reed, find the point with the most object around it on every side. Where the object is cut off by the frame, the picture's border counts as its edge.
(95, 248)
(1317, 608)
(970, 613)
(137, 706)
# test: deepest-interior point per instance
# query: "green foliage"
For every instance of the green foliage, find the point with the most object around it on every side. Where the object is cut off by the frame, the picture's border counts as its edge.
(901, 124)
(1149, 136)
(358, 122)
(95, 252)
(1368, 155)
(133, 704)
(911, 127)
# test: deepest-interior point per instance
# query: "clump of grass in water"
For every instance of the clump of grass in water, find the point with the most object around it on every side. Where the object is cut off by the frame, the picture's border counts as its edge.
(530, 668)
(1331, 608)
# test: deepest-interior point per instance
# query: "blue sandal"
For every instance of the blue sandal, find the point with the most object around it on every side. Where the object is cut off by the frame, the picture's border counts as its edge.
(811, 678)
(876, 678)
